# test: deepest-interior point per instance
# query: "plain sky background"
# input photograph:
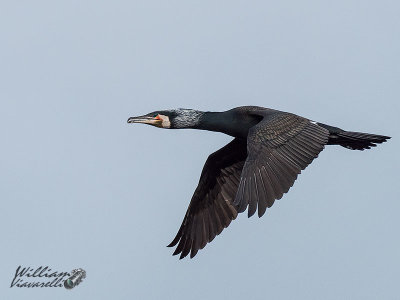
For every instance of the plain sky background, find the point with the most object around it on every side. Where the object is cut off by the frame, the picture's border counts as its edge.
(80, 187)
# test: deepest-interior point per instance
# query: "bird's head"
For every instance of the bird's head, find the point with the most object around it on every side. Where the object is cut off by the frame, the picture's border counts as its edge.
(174, 118)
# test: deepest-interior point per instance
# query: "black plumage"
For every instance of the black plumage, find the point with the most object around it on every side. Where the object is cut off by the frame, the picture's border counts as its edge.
(270, 148)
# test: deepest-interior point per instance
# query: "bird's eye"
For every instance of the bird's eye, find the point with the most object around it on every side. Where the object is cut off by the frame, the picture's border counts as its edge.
(157, 116)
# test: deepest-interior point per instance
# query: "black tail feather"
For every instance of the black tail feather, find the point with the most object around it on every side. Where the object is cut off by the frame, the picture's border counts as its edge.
(358, 140)
(353, 140)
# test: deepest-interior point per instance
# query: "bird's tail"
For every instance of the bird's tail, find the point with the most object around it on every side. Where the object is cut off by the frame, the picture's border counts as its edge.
(353, 140)
(359, 140)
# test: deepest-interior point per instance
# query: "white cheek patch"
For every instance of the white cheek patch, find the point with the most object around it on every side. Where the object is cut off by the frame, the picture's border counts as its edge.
(314, 122)
(165, 121)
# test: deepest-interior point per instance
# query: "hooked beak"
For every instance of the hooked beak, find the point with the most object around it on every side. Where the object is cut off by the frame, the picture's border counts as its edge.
(146, 120)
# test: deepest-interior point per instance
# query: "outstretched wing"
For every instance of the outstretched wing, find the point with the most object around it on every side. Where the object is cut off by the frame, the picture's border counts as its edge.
(279, 147)
(211, 208)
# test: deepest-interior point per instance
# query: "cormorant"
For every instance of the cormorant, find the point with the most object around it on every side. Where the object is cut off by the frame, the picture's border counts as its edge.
(261, 163)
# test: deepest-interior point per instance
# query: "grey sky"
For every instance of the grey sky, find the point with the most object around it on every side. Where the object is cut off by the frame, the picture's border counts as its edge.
(82, 188)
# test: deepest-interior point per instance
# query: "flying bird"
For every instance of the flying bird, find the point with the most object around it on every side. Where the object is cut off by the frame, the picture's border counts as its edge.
(261, 163)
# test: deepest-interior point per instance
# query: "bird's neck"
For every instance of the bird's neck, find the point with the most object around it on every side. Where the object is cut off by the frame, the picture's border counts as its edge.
(228, 122)
(212, 121)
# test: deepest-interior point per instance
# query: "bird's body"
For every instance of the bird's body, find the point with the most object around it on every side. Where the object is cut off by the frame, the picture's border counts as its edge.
(269, 150)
